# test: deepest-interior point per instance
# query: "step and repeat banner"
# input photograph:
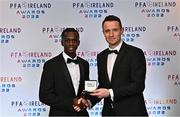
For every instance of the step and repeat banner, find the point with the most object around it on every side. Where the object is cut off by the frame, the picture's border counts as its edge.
(30, 35)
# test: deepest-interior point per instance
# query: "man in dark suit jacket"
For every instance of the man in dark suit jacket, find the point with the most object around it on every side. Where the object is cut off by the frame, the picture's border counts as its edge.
(63, 79)
(121, 74)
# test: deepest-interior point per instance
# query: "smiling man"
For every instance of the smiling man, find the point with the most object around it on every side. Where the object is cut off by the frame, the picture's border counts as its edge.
(63, 78)
(121, 73)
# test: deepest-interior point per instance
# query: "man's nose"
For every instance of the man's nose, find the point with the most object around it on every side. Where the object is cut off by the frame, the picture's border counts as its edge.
(71, 42)
(111, 33)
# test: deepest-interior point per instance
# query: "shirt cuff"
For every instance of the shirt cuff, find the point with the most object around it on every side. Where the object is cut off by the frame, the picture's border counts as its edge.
(111, 94)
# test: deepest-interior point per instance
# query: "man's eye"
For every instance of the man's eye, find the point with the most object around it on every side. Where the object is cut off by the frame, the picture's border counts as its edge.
(73, 41)
(106, 31)
(115, 30)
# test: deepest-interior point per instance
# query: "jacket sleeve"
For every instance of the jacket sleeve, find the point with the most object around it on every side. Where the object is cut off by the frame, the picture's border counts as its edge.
(47, 93)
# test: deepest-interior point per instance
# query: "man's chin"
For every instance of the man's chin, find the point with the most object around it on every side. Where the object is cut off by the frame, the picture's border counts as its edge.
(72, 51)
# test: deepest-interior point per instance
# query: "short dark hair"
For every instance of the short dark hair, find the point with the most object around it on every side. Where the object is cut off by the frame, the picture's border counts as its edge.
(69, 30)
(112, 18)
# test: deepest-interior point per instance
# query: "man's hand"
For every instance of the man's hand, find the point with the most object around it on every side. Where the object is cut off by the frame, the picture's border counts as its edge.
(81, 104)
(101, 93)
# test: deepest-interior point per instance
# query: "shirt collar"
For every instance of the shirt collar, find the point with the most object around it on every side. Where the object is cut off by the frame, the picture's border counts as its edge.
(66, 56)
(117, 47)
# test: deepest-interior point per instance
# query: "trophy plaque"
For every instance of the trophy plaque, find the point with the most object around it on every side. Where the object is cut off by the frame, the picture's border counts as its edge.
(89, 87)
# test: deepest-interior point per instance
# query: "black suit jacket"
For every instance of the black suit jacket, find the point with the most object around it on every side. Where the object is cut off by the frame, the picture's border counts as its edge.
(56, 87)
(127, 82)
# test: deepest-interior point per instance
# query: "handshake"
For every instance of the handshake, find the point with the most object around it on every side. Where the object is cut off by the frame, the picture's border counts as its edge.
(81, 103)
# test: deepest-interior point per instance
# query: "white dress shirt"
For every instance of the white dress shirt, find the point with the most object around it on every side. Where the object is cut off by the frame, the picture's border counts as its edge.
(74, 72)
(110, 65)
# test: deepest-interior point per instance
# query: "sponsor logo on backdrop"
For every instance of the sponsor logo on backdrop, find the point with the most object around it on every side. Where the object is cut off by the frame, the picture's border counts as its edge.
(28, 59)
(174, 79)
(9, 34)
(90, 56)
(9, 83)
(96, 110)
(54, 32)
(29, 107)
(30, 10)
(152, 8)
(160, 106)
(133, 33)
(174, 30)
(92, 9)
(159, 57)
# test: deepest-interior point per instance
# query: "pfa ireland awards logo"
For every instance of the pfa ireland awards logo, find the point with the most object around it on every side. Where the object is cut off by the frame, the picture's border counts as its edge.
(8, 34)
(174, 31)
(30, 59)
(92, 10)
(133, 33)
(155, 8)
(30, 10)
(159, 57)
(54, 32)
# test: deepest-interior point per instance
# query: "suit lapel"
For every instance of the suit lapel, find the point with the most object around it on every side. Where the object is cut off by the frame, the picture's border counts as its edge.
(104, 60)
(66, 73)
(81, 82)
(118, 60)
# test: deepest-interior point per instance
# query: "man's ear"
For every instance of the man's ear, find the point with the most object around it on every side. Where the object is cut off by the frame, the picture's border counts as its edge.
(78, 42)
(122, 31)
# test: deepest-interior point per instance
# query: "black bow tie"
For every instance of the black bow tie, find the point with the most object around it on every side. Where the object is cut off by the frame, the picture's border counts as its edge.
(112, 51)
(71, 60)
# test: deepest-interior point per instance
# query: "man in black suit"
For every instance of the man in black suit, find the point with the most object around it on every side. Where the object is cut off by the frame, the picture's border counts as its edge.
(121, 74)
(63, 78)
